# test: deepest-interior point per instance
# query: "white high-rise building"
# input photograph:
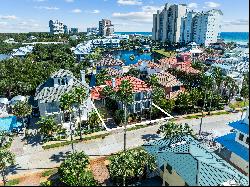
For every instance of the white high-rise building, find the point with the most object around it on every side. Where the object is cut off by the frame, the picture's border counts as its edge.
(174, 24)
(206, 27)
(57, 27)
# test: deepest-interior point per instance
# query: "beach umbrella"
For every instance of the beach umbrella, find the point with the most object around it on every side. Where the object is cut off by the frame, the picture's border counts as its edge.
(4, 101)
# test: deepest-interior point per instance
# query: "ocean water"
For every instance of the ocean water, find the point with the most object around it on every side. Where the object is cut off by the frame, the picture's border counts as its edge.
(238, 37)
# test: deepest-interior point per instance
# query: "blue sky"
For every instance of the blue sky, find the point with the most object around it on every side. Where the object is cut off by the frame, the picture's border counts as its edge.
(126, 15)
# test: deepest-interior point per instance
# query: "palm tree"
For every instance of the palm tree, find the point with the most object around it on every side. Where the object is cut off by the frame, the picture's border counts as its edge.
(22, 109)
(94, 120)
(206, 82)
(153, 81)
(245, 90)
(7, 159)
(218, 76)
(66, 104)
(47, 126)
(174, 131)
(125, 96)
(79, 97)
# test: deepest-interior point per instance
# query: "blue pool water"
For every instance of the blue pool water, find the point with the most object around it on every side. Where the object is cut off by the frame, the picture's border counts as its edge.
(124, 55)
(8, 123)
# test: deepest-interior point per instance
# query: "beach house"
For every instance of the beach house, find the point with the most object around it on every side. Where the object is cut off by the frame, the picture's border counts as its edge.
(48, 95)
(142, 99)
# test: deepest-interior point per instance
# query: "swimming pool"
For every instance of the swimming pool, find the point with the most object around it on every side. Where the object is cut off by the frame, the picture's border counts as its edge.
(125, 56)
(9, 123)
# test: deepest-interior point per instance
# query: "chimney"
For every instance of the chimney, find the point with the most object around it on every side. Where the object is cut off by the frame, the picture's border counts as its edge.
(83, 76)
(113, 82)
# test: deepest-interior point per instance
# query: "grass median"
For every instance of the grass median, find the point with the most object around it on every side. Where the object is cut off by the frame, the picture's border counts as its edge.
(60, 144)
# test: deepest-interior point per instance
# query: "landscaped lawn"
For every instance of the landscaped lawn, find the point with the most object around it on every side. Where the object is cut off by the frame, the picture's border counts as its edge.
(165, 53)
(239, 104)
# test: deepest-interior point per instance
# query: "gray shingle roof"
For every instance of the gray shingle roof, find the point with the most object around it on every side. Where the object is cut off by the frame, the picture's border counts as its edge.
(46, 92)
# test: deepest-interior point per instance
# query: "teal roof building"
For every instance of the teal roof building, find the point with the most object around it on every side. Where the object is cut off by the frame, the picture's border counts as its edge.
(194, 163)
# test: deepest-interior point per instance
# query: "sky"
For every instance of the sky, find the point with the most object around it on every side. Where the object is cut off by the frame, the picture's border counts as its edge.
(126, 15)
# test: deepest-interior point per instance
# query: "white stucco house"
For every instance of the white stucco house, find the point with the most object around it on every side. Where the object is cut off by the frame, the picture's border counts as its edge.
(48, 95)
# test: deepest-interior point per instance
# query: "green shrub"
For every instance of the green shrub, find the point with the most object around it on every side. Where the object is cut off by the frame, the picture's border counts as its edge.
(49, 172)
(46, 183)
(12, 182)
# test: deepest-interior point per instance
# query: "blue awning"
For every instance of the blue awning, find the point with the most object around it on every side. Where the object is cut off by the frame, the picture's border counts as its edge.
(229, 142)
(240, 126)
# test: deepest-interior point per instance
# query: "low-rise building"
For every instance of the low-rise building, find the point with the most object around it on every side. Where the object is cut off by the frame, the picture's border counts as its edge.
(147, 67)
(10, 41)
(22, 51)
(172, 86)
(142, 93)
(48, 96)
(187, 162)
(182, 62)
(235, 146)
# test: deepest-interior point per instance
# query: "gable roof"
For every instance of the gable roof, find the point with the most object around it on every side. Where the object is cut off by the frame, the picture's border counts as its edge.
(194, 163)
(46, 92)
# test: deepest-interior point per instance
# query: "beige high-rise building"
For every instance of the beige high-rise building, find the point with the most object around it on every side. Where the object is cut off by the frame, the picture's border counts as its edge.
(167, 23)
(105, 27)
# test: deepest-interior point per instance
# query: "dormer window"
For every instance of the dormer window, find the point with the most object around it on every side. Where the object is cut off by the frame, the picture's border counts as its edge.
(241, 137)
(63, 82)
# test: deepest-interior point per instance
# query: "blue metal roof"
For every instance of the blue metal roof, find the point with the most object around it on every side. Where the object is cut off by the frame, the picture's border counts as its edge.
(229, 142)
(240, 126)
(194, 163)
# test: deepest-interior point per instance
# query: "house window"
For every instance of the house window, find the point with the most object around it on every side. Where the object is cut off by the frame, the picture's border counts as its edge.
(241, 137)
(247, 141)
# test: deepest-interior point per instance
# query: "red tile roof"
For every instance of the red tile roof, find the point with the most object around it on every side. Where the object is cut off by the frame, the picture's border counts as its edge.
(138, 86)
(183, 63)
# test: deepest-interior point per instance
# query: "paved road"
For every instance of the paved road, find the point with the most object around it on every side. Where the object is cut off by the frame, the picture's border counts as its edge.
(36, 159)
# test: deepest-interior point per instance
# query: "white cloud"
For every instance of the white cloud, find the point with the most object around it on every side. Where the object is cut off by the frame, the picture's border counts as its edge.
(129, 2)
(47, 8)
(96, 11)
(192, 5)
(93, 11)
(236, 22)
(145, 16)
(211, 4)
(77, 10)
(8, 17)
(3, 23)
